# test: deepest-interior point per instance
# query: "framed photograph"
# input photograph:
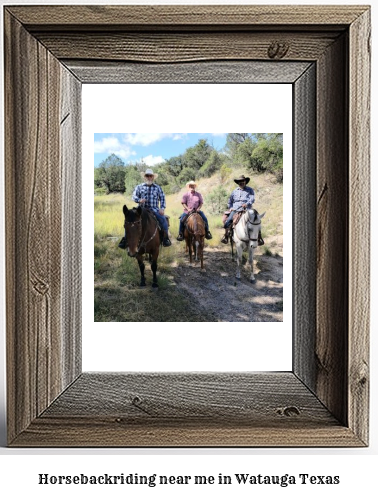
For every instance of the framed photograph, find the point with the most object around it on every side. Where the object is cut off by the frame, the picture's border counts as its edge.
(323, 52)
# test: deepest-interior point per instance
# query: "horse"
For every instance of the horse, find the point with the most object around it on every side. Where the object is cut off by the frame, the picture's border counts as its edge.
(142, 234)
(245, 235)
(194, 235)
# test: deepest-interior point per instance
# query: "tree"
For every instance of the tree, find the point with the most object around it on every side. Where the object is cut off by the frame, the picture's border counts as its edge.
(187, 174)
(268, 155)
(110, 174)
(196, 156)
(211, 165)
(132, 179)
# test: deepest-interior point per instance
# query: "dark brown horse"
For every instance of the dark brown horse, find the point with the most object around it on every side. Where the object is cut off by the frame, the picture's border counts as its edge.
(194, 235)
(142, 234)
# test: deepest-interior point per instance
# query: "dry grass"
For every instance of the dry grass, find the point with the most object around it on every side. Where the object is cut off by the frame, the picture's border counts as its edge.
(117, 293)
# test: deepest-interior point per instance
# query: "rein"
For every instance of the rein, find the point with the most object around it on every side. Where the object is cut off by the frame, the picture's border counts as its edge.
(141, 242)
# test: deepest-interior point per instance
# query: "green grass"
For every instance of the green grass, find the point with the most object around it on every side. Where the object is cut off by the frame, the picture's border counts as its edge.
(117, 293)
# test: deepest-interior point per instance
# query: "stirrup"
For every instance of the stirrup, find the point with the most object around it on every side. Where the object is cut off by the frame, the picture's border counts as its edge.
(208, 235)
(225, 239)
(180, 237)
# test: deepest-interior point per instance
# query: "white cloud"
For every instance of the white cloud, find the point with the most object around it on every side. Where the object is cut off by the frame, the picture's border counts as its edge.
(145, 139)
(112, 145)
(106, 144)
(152, 160)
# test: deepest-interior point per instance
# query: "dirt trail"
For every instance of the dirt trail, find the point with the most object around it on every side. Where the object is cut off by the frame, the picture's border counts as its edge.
(227, 299)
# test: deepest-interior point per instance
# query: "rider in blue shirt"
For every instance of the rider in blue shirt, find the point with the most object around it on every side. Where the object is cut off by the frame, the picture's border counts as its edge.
(242, 198)
(151, 196)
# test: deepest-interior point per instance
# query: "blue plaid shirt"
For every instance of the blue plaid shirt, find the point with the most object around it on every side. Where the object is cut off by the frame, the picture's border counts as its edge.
(240, 196)
(152, 194)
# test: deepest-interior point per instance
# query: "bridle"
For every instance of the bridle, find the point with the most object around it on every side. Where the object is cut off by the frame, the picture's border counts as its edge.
(141, 242)
(249, 223)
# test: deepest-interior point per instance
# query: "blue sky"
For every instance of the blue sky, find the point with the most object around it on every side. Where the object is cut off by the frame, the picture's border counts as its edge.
(152, 148)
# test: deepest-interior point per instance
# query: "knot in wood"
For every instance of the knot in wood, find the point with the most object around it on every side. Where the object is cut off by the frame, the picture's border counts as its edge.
(278, 50)
(288, 411)
(41, 287)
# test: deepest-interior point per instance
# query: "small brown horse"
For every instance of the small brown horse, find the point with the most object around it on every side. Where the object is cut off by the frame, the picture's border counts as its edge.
(142, 234)
(194, 235)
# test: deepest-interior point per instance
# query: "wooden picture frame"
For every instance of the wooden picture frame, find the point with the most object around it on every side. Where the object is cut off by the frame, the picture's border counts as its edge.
(324, 51)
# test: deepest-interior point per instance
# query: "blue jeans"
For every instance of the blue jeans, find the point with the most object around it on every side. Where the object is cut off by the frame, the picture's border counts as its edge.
(181, 228)
(229, 218)
(162, 221)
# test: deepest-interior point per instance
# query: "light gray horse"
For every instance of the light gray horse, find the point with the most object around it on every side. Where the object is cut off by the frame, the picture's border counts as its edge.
(245, 237)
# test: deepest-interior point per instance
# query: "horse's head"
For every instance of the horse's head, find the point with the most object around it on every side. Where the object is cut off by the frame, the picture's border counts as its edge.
(253, 223)
(133, 227)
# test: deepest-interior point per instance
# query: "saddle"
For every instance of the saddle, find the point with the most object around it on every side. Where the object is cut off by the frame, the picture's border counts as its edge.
(235, 219)
(153, 215)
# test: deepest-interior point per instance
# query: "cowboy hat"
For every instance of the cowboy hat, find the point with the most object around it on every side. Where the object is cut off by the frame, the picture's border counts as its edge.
(149, 172)
(191, 182)
(242, 178)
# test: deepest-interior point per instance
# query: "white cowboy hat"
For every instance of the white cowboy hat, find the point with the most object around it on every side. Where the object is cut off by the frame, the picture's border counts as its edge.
(149, 172)
(191, 182)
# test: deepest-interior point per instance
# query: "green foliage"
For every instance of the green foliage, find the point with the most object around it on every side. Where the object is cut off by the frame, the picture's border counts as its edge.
(186, 175)
(216, 201)
(110, 174)
(132, 179)
(256, 153)
(211, 165)
(268, 155)
(196, 156)
(225, 172)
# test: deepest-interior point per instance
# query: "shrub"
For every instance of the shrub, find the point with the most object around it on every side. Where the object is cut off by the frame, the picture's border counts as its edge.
(217, 200)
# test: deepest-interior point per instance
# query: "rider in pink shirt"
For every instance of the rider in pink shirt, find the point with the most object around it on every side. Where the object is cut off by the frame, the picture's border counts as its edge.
(192, 201)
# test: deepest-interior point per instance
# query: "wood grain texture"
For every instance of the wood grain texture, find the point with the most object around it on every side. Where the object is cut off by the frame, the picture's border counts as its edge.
(33, 227)
(184, 15)
(198, 409)
(304, 230)
(70, 161)
(332, 230)
(359, 226)
(180, 47)
(324, 401)
(202, 72)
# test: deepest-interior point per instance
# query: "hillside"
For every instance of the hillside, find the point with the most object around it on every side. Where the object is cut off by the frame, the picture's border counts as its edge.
(185, 293)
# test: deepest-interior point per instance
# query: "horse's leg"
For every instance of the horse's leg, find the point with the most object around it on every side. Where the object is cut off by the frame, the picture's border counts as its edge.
(141, 268)
(201, 250)
(251, 252)
(154, 255)
(190, 248)
(196, 244)
(239, 257)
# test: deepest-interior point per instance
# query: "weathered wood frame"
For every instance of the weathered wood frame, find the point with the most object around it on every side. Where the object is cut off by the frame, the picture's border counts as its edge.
(49, 52)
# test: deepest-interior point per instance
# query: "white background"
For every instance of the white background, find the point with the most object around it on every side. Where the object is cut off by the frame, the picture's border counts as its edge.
(186, 346)
(357, 467)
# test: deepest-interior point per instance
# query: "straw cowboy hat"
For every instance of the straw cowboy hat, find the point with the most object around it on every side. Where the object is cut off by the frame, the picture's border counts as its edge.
(191, 183)
(242, 178)
(149, 172)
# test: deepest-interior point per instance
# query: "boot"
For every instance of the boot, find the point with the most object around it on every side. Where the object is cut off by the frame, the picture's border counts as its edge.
(225, 237)
(260, 242)
(122, 244)
(208, 235)
(180, 237)
(166, 240)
